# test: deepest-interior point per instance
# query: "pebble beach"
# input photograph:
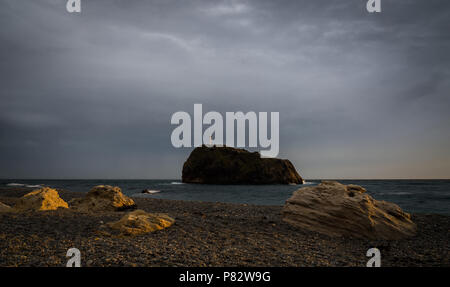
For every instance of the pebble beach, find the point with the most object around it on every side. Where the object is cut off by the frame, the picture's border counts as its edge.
(204, 234)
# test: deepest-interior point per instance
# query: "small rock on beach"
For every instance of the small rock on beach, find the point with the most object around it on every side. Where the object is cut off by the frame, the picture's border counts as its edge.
(41, 200)
(140, 222)
(103, 198)
(4, 207)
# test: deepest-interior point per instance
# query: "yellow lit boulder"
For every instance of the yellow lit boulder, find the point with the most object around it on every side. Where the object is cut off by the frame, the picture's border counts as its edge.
(140, 222)
(40, 199)
(103, 198)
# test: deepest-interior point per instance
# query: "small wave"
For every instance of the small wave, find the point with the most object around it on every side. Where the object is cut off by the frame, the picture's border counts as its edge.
(172, 183)
(24, 185)
(308, 183)
(15, 184)
(303, 183)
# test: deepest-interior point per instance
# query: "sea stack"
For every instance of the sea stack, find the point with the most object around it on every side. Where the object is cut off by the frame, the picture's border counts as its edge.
(227, 165)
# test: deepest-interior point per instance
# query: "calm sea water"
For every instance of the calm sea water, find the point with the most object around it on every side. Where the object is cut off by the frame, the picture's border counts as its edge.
(417, 196)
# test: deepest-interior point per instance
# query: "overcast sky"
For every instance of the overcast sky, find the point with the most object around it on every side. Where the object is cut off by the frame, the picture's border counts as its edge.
(91, 95)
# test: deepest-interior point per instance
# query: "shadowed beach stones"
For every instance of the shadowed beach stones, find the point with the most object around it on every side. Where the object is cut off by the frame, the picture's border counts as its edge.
(103, 198)
(40, 200)
(140, 222)
(346, 210)
(227, 165)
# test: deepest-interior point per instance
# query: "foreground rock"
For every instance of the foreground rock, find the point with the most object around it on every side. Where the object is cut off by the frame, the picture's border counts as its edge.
(140, 222)
(40, 200)
(5, 208)
(346, 210)
(103, 198)
(226, 165)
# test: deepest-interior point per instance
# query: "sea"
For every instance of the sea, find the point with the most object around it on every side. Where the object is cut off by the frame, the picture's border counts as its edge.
(415, 196)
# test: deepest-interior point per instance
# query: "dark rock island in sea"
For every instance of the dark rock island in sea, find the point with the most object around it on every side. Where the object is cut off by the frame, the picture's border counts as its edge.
(226, 165)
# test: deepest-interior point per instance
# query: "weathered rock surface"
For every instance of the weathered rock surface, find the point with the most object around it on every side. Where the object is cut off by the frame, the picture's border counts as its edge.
(103, 198)
(226, 165)
(5, 208)
(346, 210)
(139, 222)
(40, 199)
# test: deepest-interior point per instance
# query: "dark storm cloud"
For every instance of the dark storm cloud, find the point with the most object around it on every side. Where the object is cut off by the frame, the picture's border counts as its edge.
(91, 95)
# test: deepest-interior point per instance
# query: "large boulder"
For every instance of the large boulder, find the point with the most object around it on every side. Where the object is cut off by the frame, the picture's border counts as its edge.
(346, 210)
(139, 222)
(226, 165)
(103, 198)
(4, 208)
(40, 199)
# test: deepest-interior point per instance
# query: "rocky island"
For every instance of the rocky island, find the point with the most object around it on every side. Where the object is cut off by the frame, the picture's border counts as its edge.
(227, 165)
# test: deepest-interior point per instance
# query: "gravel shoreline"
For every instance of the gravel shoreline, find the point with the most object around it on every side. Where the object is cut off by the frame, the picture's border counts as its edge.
(204, 234)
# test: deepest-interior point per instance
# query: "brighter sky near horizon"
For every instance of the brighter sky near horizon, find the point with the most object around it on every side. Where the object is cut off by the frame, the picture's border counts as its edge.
(90, 96)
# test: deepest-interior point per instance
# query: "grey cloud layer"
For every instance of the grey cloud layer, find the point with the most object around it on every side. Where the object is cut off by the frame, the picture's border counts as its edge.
(91, 95)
